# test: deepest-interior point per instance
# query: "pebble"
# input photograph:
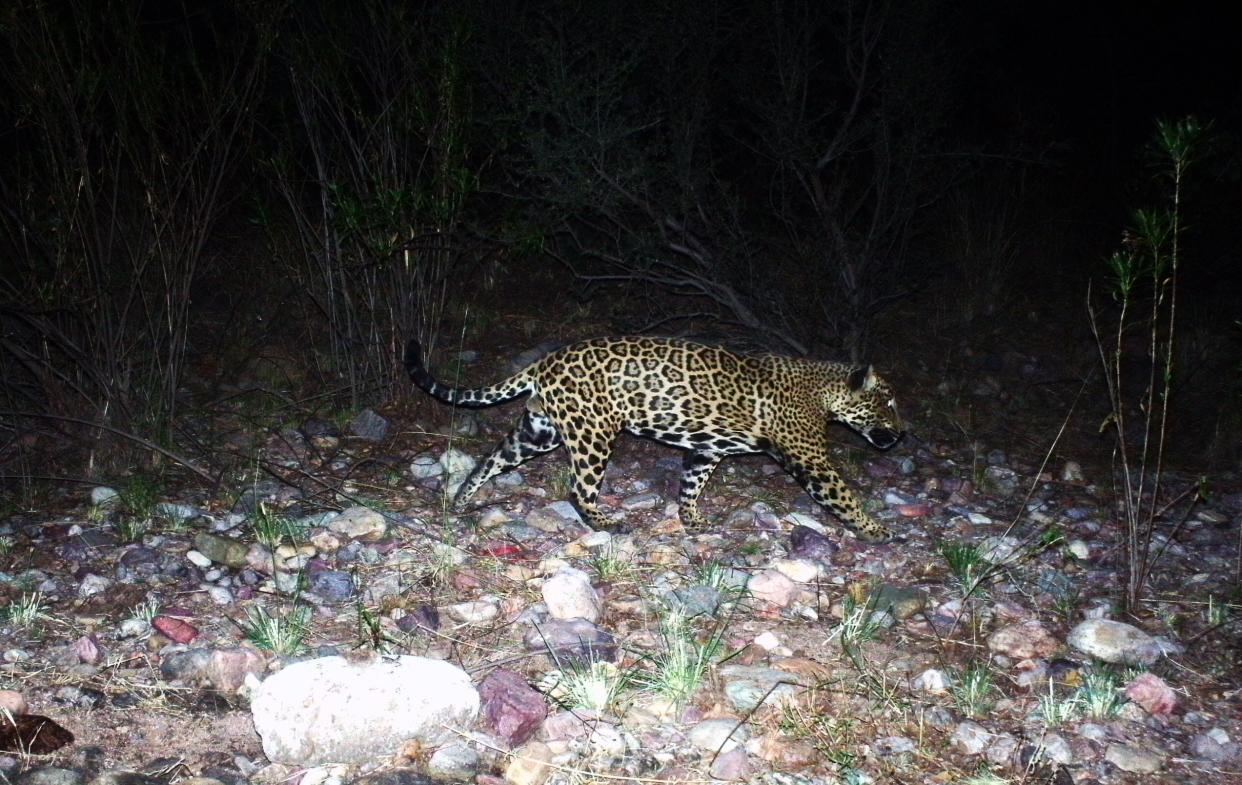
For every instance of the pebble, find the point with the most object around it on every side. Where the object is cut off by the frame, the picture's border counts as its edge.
(511, 708)
(457, 762)
(478, 611)
(999, 550)
(571, 640)
(102, 496)
(369, 426)
(93, 584)
(570, 595)
(773, 587)
(425, 466)
(1137, 760)
(718, 735)
(360, 523)
(529, 764)
(1024, 640)
(932, 681)
(808, 543)
(641, 501)
(694, 600)
(731, 766)
(970, 738)
(1214, 745)
(798, 570)
(1114, 641)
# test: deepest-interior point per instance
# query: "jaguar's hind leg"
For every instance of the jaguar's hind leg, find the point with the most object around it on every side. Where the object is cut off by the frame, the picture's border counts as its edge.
(534, 435)
(698, 468)
(588, 455)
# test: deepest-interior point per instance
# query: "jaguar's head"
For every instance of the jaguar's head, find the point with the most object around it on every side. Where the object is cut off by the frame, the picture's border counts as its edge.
(867, 405)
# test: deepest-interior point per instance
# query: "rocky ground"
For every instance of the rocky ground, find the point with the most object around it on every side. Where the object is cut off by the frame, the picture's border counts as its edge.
(328, 621)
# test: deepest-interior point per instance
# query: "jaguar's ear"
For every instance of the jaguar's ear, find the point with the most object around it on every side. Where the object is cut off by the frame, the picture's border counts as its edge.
(862, 379)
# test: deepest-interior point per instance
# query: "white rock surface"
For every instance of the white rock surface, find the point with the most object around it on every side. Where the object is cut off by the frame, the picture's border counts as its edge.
(333, 710)
(1114, 641)
(361, 523)
(570, 595)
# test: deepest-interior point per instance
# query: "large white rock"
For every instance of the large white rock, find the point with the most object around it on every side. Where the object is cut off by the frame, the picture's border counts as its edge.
(1114, 641)
(331, 710)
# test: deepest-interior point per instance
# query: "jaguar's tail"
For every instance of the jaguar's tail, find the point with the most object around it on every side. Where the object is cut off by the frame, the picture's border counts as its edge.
(518, 384)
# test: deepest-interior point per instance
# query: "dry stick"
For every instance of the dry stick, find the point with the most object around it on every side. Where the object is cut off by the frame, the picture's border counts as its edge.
(150, 445)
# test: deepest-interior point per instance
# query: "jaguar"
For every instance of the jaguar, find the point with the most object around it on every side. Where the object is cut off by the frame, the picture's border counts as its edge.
(709, 401)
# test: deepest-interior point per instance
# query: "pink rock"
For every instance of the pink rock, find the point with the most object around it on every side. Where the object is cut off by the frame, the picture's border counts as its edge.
(1152, 693)
(731, 765)
(87, 649)
(229, 666)
(512, 709)
(916, 510)
(773, 587)
(13, 702)
(175, 629)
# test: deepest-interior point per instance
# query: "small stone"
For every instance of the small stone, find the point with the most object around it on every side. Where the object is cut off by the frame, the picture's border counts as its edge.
(999, 550)
(87, 649)
(457, 762)
(369, 426)
(425, 466)
(808, 543)
(971, 738)
(731, 766)
(1000, 481)
(555, 518)
(1214, 745)
(1072, 472)
(747, 686)
(641, 501)
(1023, 641)
(606, 741)
(1078, 549)
(694, 600)
(931, 681)
(1133, 759)
(800, 519)
(103, 496)
(458, 466)
(1114, 641)
(1053, 747)
(772, 587)
(361, 523)
(478, 611)
(767, 641)
(913, 510)
(798, 570)
(93, 584)
(719, 735)
(1152, 693)
(222, 550)
(176, 513)
(198, 559)
(12, 702)
(890, 746)
(512, 709)
(901, 602)
(332, 586)
(176, 630)
(572, 640)
(569, 595)
(529, 764)
(260, 559)
(51, 775)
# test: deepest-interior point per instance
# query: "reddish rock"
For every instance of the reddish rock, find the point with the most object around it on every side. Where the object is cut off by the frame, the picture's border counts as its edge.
(914, 510)
(1152, 693)
(87, 649)
(512, 709)
(175, 629)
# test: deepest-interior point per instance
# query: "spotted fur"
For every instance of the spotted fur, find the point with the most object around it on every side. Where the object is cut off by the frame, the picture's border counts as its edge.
(708, 401)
